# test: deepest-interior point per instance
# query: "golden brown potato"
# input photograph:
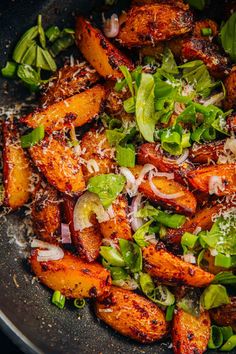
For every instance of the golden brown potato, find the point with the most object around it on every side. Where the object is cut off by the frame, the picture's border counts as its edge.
(209, 53)
(152, 23)
(132, 315)
(68, 81)
(45, 213)
(190, 335)
(225, 315)
(73, 277)
(206, 153)
(17, 172)
(59, 165)
(96, 150)
(185, 204)
(170, 269)
(206, 23)
(99, 52)
(74, 111)
(178, 3)
(225, 175)
(118, 226)
(87, 241)
(230, 86)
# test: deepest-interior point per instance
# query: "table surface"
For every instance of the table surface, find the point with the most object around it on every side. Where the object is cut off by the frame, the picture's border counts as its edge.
(7, 346)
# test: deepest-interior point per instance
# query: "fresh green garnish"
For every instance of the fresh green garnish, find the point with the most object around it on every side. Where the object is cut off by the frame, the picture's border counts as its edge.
(118, 273)
(170, 312)
(206, 32)
(52, 33)
(107, 187)
(139, 235)
(125, 155)
(216, 338)
(9, 70)
(58, 299)
(189, 240)
(79, 303)
(190, 303)
(112, 256)
(230, 344)
(228, 37)
(214, 296)
(33, 137)
(131, 254)
(227, 278)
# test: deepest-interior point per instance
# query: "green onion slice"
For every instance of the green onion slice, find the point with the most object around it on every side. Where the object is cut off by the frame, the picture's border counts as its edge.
(58, 299)
(32, 138)
(79, 303)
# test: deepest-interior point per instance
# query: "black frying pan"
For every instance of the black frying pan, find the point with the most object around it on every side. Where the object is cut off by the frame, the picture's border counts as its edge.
(26, 314)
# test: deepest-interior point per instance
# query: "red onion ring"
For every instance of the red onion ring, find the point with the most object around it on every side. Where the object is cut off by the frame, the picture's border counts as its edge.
(50, 252)
(159, 194)
(65, 233)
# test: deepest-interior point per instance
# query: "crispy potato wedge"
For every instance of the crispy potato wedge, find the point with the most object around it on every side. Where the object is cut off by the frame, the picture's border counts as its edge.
(209, 53)
(202, 219)
(87, 241)
(151, 23)
(185, 204)
(132, 315)
(178, 3)
(151, 153)
(200, 178)
(230, 86)
(190, 335)
(97, 152)
(17, 171)
(73, 277)
(205, 153)
(170, 269)
(59, 165)
(225, 315)
(206, 23)
(118, 226)
(99, 52)
(45, 213)
(68, 81)
(74, 111)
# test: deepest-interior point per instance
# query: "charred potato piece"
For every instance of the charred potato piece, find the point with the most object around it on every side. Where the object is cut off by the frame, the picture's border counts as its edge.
(230, 86)
(178, 3)
(87, 241)
(190, 335)
(59, 165)
(205, 153)
(99, 52)
(149, 24)
(74, 111)
(68, 81)
(132, 315)
(45, 213)
(167, 268)
(118, 226)
(225, 315)
(209, 53)
(97, 155)
(73, 277)
(206, 23)
(225, 174)
(17, 171)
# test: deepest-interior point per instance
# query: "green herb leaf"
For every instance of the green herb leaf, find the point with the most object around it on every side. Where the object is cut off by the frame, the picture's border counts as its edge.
(171, 142)
(107, 187)
(9, 70)
(145, 111)
(112, 256)
(127, 75)
(32, 138)
(125, 155)
(52, 33)
(114, 136)
(214, 296)
(168, 62)
(140, 234)
(132, 255)
(228, 37)
(129, 105)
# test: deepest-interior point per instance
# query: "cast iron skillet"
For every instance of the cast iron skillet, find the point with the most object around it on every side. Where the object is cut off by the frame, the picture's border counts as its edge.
(26, 314)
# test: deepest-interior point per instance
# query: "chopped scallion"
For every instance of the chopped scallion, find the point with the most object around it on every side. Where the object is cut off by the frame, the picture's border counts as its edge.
(206, 31)
(58, 299)
(170, 312)
(79, 303)
(9, 69)
(125, 155)
(33, 137)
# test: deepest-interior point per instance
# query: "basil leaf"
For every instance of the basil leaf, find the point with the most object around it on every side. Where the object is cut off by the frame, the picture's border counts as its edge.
(114, 136)
(228, 37)
(107, 187)
(145, 110)
(214, 296)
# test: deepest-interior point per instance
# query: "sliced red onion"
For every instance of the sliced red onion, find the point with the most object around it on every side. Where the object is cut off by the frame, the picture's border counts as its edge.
(50, 252)
(180, 159)
(146, 168)
(136, 223)
(159, 194)
(215, 184)
(230, 144)
(111, 26)
(131, 185)
(65, 233)
(164, 174)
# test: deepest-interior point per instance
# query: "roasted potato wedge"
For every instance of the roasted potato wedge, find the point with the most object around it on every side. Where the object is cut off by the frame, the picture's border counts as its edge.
(170, 269)
(206, 23)
(45, 213)
(118, 226)
(190, 335)
(59, 165)
(68, 81)
(209, 53)
(17, 171)
(178, 3)
(152, 23)
(206, 153)
(97, 155)
(225, 315)
(73, 277)
(185, 204)
(202, 219)
(132, 315)
(74, 111)
(99, 52)
(225, 175)
(230, 86)
(87, 241)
